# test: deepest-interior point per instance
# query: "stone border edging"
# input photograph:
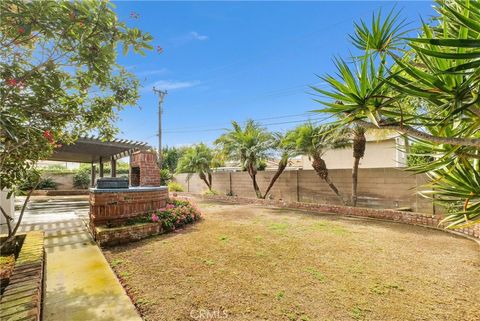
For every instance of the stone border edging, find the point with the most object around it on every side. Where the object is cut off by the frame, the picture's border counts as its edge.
(23, 295)
(412, 218)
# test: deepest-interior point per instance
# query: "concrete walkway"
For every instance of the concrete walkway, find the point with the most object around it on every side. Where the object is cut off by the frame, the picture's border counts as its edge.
(79, 282)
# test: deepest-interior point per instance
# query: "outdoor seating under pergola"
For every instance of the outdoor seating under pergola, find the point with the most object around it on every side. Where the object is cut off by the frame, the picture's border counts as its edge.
(94, 150)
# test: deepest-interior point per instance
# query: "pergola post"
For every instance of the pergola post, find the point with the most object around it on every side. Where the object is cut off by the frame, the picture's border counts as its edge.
(100, 170)
(93, 173)
(113, 166)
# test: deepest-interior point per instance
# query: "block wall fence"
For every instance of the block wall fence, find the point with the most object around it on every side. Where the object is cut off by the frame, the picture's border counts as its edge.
(377, 187)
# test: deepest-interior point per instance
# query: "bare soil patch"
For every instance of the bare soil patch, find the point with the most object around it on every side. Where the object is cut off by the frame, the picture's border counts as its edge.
(243, 262)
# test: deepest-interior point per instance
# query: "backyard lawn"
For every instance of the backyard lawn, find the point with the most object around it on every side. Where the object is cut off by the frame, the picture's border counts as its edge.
(243, 262)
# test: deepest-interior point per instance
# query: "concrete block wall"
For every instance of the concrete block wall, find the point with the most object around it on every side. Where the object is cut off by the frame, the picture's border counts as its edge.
(64, 180)
(377, 187)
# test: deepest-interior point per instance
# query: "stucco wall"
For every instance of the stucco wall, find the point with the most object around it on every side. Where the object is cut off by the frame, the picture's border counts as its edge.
(64, 180)
(377, 187)
(378, 154)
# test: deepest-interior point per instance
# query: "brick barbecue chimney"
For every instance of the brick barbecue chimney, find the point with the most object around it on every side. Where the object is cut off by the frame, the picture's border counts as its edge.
(143, 169)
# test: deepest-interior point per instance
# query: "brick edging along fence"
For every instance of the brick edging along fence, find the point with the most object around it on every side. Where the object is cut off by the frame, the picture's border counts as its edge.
(413, 218)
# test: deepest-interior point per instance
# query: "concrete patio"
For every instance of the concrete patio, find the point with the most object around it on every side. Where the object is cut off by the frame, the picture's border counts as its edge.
(79, 282)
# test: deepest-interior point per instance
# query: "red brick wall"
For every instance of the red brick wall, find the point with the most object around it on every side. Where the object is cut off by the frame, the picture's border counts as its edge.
(147, 162)
(119, 206)
(126, 234)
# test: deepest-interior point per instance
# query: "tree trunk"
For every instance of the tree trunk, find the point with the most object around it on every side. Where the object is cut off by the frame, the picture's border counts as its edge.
(355, 181)
(359, 144)
(7, 219)
(209, 175)
(203, 177)
(321, 168)
(11, 241)
(280, 169)
(253, 174)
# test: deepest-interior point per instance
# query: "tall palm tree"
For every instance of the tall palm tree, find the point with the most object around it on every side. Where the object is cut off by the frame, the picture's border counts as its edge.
(197, 160)
(249, 145)
(287, 150)
(359, 144)
(425, 88)
(314, 141)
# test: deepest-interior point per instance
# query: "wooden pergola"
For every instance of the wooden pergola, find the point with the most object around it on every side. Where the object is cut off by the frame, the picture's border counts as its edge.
(94, 150)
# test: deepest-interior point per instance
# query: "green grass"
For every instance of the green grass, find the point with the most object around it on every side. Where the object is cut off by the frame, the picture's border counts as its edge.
(315, 273)
(330, 228)
(279, 227)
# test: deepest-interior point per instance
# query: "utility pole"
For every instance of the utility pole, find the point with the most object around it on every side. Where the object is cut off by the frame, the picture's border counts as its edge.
(161, 95)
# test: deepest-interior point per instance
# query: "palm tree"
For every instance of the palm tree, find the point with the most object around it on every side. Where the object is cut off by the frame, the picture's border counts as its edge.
(197, 160)
(249, 145)
(425, 88)
(287, 151)
(359, 144)
(314, 141)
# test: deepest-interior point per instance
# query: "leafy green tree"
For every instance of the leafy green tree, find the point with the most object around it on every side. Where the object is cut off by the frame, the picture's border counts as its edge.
(419, 155)
(171, 155)
(425, 88)
(314, 141)
(59, 78)
(197, 159)
(249, 145)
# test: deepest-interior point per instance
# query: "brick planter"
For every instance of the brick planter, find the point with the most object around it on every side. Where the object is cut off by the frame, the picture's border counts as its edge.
(413, 218)
(124, 234)
(22, 299)
(115, 207)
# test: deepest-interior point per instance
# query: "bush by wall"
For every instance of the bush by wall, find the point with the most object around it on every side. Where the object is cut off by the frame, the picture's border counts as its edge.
(81, 179)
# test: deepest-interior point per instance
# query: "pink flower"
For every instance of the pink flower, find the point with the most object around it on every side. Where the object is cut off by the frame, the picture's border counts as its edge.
(170, 206)
(155, 218)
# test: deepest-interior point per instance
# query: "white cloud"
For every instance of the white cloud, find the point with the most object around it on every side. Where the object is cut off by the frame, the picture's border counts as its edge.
(188, 37)
(195, 35)
(170, 85)
(152, 72)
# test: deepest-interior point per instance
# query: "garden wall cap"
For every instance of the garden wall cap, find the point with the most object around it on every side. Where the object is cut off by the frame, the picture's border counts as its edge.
(132, 189)
(92, 149)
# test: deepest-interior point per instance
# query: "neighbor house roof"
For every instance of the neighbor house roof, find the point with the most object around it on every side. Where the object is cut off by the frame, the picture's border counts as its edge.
(91, 149)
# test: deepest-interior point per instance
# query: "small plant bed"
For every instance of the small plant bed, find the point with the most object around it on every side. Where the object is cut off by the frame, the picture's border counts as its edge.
(7, 263)
(22, 278)
(176, 214)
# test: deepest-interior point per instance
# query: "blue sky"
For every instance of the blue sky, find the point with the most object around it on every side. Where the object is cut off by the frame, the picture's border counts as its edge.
(226, 61)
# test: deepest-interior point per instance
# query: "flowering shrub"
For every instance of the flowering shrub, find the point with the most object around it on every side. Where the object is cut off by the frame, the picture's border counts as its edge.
(175, 214)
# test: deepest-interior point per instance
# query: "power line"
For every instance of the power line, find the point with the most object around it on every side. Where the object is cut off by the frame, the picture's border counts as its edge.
(242, 122)
(314, 120)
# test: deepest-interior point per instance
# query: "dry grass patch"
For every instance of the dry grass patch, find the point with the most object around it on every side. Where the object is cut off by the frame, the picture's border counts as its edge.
(253, 263)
